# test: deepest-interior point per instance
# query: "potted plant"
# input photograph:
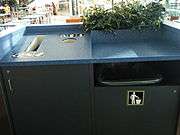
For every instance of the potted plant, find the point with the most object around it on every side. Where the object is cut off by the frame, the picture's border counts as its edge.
(126, 21)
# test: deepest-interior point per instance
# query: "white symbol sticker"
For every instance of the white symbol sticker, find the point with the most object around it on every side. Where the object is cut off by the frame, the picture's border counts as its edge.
(135, 98)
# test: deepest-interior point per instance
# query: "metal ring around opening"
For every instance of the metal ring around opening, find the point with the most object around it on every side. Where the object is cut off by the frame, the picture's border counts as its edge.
(69, 40)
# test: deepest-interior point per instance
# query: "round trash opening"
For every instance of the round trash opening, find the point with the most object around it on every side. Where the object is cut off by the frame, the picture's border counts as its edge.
(69, 40)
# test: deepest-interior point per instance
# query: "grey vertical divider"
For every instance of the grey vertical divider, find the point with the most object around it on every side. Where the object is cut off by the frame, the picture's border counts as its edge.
(92, 102)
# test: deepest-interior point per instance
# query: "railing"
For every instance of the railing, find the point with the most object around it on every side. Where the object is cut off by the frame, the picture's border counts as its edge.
(174, 6)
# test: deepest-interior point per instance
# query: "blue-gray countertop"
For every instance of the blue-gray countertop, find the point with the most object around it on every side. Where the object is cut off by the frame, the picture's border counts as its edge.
(84, 51)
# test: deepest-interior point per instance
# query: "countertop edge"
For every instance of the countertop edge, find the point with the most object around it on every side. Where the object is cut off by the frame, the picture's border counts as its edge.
(90, 61)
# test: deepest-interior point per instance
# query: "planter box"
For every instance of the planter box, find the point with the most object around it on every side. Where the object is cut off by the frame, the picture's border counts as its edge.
(122, 36)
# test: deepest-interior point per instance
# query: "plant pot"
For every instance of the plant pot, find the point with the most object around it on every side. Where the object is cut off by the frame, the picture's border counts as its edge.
(124, 36)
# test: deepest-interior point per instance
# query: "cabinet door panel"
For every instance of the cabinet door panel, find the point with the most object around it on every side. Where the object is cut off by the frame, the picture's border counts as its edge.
(50, 100)
(4, 121)
(158, 115)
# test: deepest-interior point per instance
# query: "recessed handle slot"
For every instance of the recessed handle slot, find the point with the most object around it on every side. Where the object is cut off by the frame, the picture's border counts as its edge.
(31, 50)
(10, 86)
(35, 44)
(127, 74)
(132, 82)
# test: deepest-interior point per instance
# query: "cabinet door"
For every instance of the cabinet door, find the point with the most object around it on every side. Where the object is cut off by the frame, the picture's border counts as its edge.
(50, 100)
(158, 115)
(4, 121)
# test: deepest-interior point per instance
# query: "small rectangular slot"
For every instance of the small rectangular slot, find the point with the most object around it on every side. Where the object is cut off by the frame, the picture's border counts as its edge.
(35, 44)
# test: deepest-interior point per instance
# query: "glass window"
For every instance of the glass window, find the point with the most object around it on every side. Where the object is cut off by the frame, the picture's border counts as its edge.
(57, 11)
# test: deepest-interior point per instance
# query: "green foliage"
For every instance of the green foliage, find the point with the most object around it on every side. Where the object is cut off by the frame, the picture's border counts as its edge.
(124, 16)
(10, 2)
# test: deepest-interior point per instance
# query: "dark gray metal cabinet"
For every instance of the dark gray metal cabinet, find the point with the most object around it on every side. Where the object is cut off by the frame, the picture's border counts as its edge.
(49, 100)
(4, 119)
(158, 115)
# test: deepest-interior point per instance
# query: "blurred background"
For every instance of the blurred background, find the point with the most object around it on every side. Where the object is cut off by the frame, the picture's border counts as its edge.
(24, 12)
